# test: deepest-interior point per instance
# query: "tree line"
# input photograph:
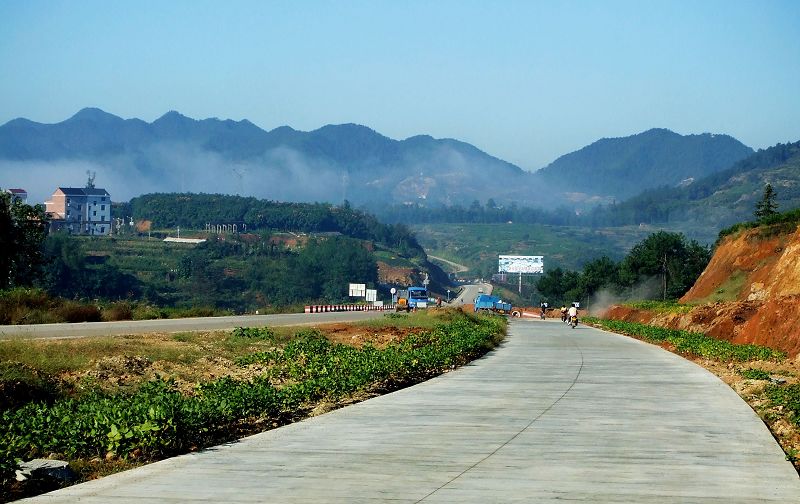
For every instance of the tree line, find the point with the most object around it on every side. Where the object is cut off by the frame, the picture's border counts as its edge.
(194, 211)
(662, 266)
(232, 274)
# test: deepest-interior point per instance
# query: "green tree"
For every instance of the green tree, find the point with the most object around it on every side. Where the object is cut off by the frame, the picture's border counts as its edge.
(767, 205)
(668, 257)
(68, 273)
(558, 286)
(23, 229)
(599, 273)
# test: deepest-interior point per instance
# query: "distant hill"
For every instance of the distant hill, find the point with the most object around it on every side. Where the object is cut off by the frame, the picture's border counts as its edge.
(709, 204)
(619, 168)
(178, 154)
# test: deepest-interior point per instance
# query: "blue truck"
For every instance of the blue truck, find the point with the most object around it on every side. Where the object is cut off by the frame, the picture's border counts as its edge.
(491, 303)
(412, 298)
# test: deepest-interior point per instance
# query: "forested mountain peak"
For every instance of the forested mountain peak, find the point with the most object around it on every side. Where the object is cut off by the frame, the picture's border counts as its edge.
(625, 166)
(94, 114)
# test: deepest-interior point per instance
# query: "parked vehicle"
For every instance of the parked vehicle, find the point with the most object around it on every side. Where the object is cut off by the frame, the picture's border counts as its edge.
(491, 303)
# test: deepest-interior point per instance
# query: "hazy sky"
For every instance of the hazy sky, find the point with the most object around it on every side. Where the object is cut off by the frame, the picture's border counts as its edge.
(525, 81)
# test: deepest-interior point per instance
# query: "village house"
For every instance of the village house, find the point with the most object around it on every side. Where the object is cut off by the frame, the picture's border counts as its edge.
(18, 194)
(80, 210)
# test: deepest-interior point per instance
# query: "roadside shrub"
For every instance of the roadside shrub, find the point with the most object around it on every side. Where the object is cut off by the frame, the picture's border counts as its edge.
(670, 306)
(21, 384)
(146, 312)
(690, 342)
(253, 333)
(754, 374)
(121, 310)
(72, 311)
(36, 316)
(787, 396)
(17, 305)
(198, 311)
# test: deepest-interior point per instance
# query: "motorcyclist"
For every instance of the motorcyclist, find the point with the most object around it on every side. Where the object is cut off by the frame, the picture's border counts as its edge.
(573, 312)
(563, 313)
(543, 307)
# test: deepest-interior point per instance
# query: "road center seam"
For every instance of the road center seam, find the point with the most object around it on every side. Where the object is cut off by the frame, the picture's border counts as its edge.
(512, 438)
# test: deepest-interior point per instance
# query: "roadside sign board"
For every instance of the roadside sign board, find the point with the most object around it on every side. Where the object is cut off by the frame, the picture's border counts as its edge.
(357, 290)
(520, 264)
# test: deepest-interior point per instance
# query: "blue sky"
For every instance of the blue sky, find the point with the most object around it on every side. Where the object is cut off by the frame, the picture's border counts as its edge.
(525, 81)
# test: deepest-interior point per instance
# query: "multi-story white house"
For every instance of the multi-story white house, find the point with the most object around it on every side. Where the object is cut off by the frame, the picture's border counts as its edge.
(80, 210)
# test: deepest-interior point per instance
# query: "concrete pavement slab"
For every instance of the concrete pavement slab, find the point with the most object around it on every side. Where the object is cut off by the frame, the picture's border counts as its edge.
(553, 415)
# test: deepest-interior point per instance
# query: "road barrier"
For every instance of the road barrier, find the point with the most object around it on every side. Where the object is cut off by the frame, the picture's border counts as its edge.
(345, 308)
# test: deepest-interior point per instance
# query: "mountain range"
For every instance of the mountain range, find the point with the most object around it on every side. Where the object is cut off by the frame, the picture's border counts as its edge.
(702, 208)
(336, 162)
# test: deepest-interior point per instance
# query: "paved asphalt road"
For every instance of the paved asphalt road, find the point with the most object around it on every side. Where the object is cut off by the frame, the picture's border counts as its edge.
(553, 415)
(177, 325)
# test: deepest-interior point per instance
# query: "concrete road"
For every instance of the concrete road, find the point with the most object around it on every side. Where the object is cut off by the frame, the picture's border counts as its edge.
(553, 415)
(454, 266)
(177, 325)
(470, 292)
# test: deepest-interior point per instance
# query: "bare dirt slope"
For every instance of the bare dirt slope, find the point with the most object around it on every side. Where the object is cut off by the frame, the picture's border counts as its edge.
(748, 293)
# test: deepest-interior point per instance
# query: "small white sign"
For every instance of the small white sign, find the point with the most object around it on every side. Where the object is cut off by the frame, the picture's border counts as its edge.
(372, 295)
(357, 290)
(377, 303)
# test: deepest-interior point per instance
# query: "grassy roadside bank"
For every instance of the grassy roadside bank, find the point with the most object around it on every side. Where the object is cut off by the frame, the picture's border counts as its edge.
(110, 403)
(35, 306)
(763, 377)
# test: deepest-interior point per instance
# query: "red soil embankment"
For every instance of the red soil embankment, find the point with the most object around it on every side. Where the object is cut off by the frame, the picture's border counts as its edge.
(765, 261)
(748, 293)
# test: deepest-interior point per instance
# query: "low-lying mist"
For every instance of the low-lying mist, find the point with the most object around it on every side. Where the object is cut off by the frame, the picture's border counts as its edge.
(440, 176)
(282, 174)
